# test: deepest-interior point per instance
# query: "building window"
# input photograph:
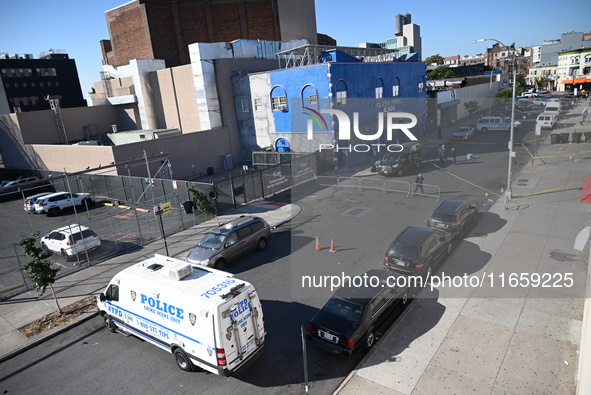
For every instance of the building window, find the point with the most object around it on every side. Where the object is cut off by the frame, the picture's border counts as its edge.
(52, 72)
(279, 103)
(395, 87)
(34, 100)
(258, 105)
(379, 88)
(278, 99)
(309, 96)
(6, 85)
(341, 95)
(244, 104)
(25, 101)
(421, 84)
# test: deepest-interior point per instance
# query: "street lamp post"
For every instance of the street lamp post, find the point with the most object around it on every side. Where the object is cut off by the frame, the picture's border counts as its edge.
(511, 152)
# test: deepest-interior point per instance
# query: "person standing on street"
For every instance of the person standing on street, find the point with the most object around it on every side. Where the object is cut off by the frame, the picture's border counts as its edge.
(442, 155)
(419, 183)
(453, 154)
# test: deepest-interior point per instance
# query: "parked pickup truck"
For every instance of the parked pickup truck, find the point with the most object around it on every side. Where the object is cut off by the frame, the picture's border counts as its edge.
(54, 203)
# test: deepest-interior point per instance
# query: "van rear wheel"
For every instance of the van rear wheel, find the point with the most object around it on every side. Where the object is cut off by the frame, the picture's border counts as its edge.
(484, 130)
(262, 244)
(182, 360)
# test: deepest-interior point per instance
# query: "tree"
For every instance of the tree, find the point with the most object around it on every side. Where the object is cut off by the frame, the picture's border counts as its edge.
(434, 59)
(440, 73)
(203, 203)
(39, 267)
(506, 93)
(472, 106)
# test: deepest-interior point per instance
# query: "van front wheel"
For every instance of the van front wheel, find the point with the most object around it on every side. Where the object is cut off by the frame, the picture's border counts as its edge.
(109, 323)
(182, 360)
(484, 130)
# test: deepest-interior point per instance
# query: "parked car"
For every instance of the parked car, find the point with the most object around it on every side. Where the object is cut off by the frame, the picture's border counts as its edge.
(29, 203)
(529, 94)
(454, 216)
(353, 316)
(24, 186)
(540, 101)
(70, 240)
(518, 113)
(485, 124)
(417, 251)
(464, 133)
(54, 203)
(396, 163)
(230, 241)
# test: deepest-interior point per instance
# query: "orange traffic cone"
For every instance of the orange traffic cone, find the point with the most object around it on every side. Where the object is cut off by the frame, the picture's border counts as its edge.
(318, 248)
(333, 248)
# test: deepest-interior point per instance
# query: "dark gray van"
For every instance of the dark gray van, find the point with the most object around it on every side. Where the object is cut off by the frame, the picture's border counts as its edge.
(397, 163)
(230, 241)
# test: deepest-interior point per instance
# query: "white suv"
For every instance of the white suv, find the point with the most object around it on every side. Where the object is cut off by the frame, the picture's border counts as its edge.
(54, 203)
(70, 240)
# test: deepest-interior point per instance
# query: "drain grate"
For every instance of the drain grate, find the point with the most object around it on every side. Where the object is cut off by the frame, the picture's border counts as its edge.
(355, 211)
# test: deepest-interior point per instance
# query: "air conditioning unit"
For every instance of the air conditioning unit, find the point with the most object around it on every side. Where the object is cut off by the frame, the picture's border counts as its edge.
(282, 107)
(176, 271)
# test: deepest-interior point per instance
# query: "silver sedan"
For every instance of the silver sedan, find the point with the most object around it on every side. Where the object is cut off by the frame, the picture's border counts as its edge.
(464, 133)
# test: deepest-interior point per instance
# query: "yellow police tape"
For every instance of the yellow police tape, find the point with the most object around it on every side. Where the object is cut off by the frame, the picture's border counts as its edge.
(466, 181)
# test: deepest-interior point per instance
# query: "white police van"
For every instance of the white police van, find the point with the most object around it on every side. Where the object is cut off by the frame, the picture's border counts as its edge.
(207, 318)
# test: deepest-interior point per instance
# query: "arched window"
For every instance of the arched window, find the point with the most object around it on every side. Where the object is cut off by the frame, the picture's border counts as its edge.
(309, 96)
(278, 99)
(395, 86)
(379, 88)
(421, 84)
(341, 93)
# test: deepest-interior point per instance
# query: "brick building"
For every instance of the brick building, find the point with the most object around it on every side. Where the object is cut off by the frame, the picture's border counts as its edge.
(157, 29)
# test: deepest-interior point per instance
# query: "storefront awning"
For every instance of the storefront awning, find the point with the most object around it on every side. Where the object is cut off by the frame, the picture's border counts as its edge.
(566, 82)
(581, 81)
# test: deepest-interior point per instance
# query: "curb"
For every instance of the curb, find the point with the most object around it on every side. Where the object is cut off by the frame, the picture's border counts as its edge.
(83, 318)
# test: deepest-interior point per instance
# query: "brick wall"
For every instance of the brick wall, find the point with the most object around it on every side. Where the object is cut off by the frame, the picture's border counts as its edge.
(157, 29)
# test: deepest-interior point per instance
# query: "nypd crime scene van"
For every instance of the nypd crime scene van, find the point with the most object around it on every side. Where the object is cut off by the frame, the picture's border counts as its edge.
(207, 318)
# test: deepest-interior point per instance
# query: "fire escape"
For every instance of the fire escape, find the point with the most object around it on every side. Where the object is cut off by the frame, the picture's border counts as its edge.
(55, 107)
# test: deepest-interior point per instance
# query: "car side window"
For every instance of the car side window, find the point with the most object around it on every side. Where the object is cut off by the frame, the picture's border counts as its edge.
(244, 232)
(376, 304)
(231, 239)
(257, 226)
(112, 293)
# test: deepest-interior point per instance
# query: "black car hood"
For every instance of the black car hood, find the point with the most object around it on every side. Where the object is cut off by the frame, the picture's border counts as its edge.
(335, 323)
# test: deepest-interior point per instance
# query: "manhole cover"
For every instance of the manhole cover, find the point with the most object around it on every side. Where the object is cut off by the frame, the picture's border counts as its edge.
(523, 180)
(355, 211)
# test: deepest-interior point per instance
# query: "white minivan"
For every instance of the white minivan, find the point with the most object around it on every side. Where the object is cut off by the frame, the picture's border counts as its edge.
(485, 124)
(553, 107)
(546, 120)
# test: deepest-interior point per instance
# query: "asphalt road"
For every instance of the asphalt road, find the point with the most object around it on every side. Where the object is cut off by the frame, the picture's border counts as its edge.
(88, 359)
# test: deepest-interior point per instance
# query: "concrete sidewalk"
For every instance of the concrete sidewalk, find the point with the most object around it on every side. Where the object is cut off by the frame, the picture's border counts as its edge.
(28, 307)
(494, 339)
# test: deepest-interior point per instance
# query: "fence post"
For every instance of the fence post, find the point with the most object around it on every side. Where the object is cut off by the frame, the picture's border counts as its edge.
(232, 187)
(262, 184)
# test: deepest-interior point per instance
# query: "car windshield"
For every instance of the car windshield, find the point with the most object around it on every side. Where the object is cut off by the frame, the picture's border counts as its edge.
(213, 241)
(391, 157)
(443, 217)
(405, 251)
(345, 309)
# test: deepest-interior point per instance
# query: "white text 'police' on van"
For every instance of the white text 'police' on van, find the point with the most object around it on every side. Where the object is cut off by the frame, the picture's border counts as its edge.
(207, 318)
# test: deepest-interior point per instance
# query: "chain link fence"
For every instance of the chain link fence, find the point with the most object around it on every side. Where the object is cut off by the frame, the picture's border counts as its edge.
(134, 224)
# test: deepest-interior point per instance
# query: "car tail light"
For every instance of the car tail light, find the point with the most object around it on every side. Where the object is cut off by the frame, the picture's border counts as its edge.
(221, 356)
(70, 242)
(419, 266)
(309, 328)
(455, 223)
(350, 343)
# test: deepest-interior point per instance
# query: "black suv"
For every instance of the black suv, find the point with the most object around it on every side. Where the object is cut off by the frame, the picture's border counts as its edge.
(415, 251)
(397, 163)
(454, 216)
(353, 316)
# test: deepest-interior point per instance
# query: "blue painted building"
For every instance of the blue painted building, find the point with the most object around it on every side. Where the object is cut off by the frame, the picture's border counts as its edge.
(288, 107)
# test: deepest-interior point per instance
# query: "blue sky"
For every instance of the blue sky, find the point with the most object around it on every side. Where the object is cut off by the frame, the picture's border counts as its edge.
(447, 27)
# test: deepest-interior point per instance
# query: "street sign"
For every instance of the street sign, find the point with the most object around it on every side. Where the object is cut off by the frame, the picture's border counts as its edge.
(158, 210)
(174, 185)
(149, 181)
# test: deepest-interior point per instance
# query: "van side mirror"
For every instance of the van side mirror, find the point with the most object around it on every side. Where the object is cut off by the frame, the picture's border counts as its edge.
(102, 297)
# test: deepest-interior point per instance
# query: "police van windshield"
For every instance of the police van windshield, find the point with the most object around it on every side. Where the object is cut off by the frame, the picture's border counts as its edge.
(213, 241)
(391, 157)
